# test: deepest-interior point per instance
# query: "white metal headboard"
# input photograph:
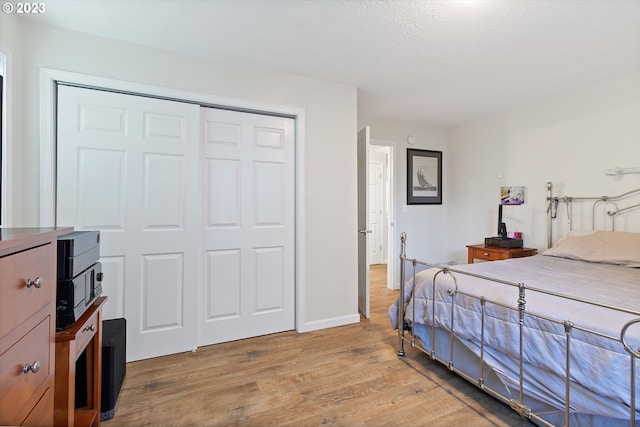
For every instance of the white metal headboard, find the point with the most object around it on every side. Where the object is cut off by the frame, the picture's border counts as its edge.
(613, 210)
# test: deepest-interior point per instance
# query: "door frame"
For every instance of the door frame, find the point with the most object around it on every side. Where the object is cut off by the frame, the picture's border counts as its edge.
(48, 80)
(391, 249)
(5, 146)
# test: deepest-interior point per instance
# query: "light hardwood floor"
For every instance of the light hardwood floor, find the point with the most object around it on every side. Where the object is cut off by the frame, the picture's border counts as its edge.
(345, 376)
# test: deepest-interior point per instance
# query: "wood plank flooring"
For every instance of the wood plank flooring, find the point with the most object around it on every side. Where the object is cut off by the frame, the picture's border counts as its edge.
(345, 376)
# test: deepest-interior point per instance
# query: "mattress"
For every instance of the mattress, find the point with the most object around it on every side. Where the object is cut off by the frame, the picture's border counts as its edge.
(600, 366)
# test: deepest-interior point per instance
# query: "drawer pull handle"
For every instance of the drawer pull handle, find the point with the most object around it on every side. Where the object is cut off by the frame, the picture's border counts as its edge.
(486, 254)
(33, 368)
(89, 328)
(37, 283)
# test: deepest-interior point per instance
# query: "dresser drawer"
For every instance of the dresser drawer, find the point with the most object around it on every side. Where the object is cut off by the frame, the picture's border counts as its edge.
(42, 414)
(20, 387)
(20, 301)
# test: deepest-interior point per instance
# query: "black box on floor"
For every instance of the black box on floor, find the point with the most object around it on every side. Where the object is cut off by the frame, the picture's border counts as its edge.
(114, 364)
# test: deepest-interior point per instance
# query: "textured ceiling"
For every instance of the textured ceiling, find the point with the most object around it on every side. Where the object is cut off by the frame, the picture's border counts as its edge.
(436, 62)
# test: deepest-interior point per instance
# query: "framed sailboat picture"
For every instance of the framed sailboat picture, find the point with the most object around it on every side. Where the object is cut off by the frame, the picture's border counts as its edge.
(424, 177)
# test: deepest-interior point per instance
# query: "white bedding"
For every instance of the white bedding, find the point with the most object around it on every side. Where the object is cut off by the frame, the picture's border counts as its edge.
(600, 366)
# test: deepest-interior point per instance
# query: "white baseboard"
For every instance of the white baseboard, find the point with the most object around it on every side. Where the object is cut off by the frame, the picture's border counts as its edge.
(329, 323)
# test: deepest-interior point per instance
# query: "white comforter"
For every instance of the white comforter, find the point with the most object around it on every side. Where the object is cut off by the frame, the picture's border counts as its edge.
(599, 366)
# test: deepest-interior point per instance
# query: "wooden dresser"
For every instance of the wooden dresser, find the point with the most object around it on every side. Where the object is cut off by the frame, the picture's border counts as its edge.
(27, 324)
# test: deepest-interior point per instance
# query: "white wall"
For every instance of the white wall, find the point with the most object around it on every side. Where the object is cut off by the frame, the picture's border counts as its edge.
(330, 240)
(569, 140)
(10, 47)
(425, 225)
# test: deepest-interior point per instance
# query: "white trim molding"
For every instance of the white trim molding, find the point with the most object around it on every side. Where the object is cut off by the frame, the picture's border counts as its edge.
(6, 139)
(392, 254)
(329, 323)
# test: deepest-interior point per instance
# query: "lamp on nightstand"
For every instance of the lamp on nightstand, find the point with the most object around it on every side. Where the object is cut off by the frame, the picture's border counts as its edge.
(501, 240)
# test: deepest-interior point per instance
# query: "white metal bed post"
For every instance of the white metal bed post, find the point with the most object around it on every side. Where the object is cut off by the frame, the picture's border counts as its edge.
(519, 406)
(552, 211)
(568, 327)
(632, 374)
(400, 319)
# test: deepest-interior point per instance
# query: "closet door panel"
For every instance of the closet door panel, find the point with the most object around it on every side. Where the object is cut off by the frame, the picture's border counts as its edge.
(128, 166)
(249, 233)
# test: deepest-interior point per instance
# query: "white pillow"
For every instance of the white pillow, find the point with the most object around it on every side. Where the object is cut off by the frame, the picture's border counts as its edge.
(610, 247)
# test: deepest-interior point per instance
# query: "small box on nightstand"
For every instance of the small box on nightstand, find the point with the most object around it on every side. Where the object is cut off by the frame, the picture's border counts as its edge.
(503, 242)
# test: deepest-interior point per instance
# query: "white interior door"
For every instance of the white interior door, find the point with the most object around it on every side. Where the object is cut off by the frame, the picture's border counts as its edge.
(363, 222)
(128, 166)
(249, 227)
(387, 149)
(376, 208)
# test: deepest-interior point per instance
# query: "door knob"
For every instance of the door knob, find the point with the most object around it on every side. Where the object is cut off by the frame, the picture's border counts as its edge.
(37, 282)
(365, 231)
(35, 367)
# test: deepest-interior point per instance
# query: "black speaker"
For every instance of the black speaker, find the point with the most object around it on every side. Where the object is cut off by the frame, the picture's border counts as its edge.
(114, 365)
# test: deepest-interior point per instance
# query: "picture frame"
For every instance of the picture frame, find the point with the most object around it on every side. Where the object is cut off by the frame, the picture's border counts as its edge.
(512, 195)
(424, 177)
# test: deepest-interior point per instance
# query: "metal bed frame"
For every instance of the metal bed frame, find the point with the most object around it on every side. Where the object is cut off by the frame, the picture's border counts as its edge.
(406, 334)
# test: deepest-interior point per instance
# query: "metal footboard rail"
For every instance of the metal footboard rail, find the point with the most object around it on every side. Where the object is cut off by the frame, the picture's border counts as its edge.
(406, 334)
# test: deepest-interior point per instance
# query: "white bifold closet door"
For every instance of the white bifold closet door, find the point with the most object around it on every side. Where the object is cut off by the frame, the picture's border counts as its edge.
(189, 224)
(128, 166)
(249, 225)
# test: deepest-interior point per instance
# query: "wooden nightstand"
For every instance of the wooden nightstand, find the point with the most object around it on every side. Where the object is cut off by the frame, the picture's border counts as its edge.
(85, 333)
(494, 253)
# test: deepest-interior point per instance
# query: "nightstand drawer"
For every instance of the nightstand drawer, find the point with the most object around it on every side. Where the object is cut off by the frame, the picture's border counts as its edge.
(86, 333)
(487, 255)
(494, 253)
